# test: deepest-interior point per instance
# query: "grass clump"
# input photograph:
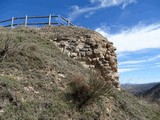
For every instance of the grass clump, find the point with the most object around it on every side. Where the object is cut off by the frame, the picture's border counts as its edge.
(83, 92)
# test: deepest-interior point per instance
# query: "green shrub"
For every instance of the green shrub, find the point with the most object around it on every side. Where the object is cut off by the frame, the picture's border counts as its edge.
(83, 92)
(7, 48)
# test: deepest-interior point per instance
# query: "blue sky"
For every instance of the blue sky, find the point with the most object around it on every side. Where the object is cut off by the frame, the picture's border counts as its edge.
(132, 25)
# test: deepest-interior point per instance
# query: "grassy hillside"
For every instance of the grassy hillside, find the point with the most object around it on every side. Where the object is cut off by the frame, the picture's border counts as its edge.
(38, 82)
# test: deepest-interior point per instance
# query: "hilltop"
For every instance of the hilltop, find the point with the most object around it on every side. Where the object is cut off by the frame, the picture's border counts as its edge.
(41, 81)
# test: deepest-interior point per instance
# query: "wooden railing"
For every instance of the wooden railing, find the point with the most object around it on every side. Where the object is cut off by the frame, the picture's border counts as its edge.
(24, 21)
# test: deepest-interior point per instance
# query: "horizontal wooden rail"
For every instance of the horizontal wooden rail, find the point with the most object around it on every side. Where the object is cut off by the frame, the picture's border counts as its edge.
(19, 18)
(5, 20)
(67, 21)
(14, 21)
(41, 16)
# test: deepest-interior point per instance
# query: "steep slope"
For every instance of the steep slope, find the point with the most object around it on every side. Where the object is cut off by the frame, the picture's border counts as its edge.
(35, 76)
(152, 94)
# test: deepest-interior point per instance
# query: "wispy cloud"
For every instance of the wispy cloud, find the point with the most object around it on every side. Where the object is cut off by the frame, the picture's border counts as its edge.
(137, 38)
(130, 43)
(89, 14)
(123, 70)
(157, 65)
(133, 65)
(131, 62)
(96, 5)
(108, 3)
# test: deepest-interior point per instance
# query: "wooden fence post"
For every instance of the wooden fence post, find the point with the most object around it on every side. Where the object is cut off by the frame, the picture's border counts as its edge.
(26, 18)
(49, 22)
(68, 22)
(12, 22)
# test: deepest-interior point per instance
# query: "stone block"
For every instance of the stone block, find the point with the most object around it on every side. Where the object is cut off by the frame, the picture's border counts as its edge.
(97, 52)
(73, 55)
(87, 46)
(111, 60)
(85, 49)
(81, 45)
(62, 44)
(91, 66)
(83, 54)
(89, 53)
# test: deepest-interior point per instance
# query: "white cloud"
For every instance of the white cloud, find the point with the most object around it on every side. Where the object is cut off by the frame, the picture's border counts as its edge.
(89, 14)
(137, 38)
(139, 61)
(129, 41)
(96, 5)
(132, 62)
(129, 65)
(157, 65)
(122, 70)
(107, 3)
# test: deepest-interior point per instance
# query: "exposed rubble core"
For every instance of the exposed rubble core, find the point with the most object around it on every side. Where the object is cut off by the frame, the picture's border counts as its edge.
(89, 47)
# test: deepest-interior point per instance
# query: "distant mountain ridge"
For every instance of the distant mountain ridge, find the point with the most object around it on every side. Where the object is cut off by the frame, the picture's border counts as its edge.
(138, 88)
(149, 91)
(152, 94)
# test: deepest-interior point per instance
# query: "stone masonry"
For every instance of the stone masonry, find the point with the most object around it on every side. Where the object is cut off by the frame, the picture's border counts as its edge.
(90, 48)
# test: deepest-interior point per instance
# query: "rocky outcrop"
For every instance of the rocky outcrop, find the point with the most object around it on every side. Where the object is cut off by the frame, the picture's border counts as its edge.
(89, 47)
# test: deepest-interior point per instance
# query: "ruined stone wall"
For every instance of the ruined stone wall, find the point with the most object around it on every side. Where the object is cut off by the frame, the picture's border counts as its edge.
(90, 48)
